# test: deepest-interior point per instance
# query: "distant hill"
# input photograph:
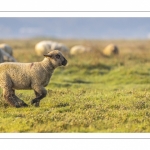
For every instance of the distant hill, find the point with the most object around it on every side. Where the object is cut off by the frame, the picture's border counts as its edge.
(87, 28)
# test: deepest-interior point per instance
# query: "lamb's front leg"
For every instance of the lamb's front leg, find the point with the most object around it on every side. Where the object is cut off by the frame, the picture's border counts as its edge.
(40, 93)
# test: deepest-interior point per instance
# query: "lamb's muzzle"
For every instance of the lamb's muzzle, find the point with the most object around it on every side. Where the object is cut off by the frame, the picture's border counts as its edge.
(64, 63)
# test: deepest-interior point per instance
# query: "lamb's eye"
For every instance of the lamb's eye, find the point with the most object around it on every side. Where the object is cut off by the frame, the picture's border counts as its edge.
(57, 56)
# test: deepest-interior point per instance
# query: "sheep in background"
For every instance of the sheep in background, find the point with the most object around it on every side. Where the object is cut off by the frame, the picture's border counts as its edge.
(1, 57)
(7, 49)
(59, 46)
(110, 50)
(78, 49)
(44, 47)
(35, 75)
(7, 57)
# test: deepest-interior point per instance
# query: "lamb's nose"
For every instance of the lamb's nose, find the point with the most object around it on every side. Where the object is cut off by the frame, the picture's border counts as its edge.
(64, 62)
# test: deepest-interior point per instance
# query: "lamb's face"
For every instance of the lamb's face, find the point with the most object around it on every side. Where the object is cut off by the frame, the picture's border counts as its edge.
(56, 58)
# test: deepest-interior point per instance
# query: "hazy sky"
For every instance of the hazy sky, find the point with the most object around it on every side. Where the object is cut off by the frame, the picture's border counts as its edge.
(85, 27)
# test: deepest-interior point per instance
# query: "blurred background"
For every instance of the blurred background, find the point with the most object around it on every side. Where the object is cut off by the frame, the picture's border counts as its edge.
(78, 28)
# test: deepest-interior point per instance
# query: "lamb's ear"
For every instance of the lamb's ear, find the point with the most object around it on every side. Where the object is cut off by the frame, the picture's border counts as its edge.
(47, 55)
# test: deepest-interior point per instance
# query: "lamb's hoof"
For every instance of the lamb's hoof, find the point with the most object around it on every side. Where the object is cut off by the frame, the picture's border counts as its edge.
(32, 102)
(24, 105)
(37, 104)
(17, 106)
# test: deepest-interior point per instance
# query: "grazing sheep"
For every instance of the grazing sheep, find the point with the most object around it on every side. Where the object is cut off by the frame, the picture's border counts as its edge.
(7, 49)
(1, 56)
(7, 57)
(59, 46)
(44, 47)
(35, 75)
(78, 49)
(110, 50)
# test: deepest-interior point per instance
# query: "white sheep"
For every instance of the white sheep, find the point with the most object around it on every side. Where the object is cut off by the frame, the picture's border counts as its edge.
(7, 57)
(78, 49)
(35, 75)
(44, 47)
(110, 50)
(1, 56)
(6, 48)
(59, 46)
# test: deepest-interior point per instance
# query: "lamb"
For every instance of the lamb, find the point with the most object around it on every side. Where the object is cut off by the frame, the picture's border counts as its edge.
(110, 50)
(78, 49)
(44, 47)
(6, 48)
(35, 75)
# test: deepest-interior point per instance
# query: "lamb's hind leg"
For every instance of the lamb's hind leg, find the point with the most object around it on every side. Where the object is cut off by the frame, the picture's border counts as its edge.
(40, 93)
(9, 97)
(20, 102)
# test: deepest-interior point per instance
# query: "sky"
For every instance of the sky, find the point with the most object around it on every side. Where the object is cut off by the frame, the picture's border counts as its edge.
(75, 27)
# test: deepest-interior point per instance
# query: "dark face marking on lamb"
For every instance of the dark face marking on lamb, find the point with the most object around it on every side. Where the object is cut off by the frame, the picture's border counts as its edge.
(58, 56)
(64, 62)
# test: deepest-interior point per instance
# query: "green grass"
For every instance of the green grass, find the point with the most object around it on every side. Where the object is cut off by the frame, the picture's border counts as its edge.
(91, 94)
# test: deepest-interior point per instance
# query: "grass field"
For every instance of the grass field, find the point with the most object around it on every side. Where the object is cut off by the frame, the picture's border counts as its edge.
(91, 94)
